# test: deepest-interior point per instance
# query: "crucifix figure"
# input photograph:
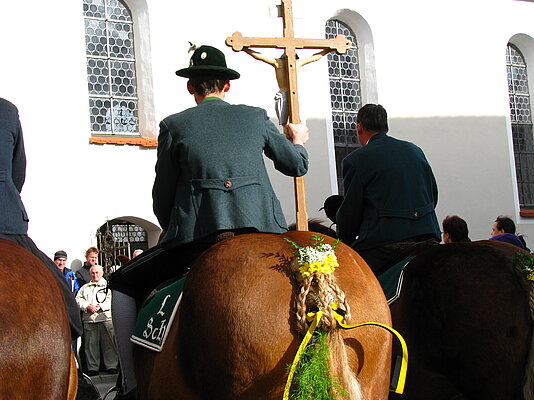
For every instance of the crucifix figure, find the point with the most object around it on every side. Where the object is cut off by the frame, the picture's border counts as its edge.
(286, 74)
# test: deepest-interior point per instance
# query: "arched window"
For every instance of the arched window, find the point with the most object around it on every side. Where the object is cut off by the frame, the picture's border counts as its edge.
(111, 78)
(345, 95)
(521, 119)
(119, 237)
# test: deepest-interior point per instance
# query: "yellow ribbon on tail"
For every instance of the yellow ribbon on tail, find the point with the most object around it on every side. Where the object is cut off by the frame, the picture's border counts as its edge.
(397, 385)
(316, 318)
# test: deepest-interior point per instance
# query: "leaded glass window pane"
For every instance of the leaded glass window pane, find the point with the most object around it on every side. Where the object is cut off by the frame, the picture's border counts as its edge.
(345, 95)
(111, 78)
(521, 118)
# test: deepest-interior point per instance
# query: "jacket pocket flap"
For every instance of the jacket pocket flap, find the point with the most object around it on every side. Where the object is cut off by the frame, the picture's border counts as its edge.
(227, 184)
(415, 213)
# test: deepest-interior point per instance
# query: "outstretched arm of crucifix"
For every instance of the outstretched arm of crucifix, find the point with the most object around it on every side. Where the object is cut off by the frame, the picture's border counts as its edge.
(313, 58)
(259, 56)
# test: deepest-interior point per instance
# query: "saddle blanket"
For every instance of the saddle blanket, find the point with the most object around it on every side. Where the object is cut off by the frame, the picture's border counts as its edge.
(391, 280)
(155, 318)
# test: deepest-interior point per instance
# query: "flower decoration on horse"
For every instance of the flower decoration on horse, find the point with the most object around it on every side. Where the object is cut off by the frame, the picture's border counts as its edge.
(525, 261)
(313, 270)
(320, 257)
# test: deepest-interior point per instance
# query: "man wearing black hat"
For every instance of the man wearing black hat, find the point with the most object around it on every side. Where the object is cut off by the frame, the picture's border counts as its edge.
(13, 217)
(211, 183)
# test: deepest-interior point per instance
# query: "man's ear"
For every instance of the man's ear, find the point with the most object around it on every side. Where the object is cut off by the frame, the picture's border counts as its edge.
(226, 86)
(190, 88)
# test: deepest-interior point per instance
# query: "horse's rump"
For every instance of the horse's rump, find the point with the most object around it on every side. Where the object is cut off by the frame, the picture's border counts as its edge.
(237, 332)
(34, 330)
(466, 320)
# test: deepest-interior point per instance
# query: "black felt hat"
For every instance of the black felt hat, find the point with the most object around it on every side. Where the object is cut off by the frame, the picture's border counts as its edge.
(208, 61)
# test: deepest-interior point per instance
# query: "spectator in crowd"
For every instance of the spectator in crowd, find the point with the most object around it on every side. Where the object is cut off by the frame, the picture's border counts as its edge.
(455, 230)
(60, 259)
(504, 224)
(94, 300)
(91, 258)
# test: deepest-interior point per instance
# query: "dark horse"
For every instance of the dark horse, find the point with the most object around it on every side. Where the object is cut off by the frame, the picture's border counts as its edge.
(236, 333)
(464, 313)
(35, 357)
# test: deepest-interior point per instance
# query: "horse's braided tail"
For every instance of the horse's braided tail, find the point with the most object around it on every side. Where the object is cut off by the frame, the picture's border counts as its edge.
(342, 299)
(301, 304)
(325, 297)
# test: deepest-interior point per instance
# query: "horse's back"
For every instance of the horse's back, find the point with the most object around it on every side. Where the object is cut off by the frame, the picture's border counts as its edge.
(34, 330)
(465, 316)
(238, 330)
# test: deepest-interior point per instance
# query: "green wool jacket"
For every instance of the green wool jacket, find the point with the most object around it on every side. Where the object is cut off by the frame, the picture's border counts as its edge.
(390, 194)
(210, 173)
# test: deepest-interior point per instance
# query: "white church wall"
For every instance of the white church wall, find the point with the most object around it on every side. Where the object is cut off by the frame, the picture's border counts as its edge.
(71, 187)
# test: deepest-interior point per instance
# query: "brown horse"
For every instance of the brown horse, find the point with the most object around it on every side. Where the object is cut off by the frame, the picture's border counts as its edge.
(236, 334)
(35, 357)
(465, 315)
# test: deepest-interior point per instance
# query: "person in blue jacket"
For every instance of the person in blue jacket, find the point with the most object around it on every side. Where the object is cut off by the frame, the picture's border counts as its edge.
(60, 259)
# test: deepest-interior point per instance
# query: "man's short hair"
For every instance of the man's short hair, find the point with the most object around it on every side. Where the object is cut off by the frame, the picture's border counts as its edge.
(90, 250)
(204, 85)
(97, 266)
(373, 117)
(505, 224)
(456, 228)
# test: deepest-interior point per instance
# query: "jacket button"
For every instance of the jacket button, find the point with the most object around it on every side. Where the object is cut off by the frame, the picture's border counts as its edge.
(415, 214)
(227, 184)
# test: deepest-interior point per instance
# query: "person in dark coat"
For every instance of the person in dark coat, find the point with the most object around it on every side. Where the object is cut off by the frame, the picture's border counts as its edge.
(211, 183)
(390, 193)
(13, 217)
(91, 258)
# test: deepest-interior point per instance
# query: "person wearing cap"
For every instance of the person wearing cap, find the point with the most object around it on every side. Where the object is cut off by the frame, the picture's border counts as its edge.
(13, 216)
(60, 259)
(211, 183)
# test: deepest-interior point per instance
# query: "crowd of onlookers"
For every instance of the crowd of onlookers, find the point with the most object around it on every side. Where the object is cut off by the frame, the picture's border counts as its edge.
(503, 229)
(98, 351)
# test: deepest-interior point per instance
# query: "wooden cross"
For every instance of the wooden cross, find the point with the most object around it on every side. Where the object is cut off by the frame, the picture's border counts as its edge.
(290, 44)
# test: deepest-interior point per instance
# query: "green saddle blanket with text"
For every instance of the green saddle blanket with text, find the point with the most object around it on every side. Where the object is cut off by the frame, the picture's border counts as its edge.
(391, 280)
(155, 318)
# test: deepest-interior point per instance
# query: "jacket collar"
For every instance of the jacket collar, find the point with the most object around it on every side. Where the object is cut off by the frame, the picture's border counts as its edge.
(380, 135)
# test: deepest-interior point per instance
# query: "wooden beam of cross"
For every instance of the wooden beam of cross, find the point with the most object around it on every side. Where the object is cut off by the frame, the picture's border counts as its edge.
(290, 44)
